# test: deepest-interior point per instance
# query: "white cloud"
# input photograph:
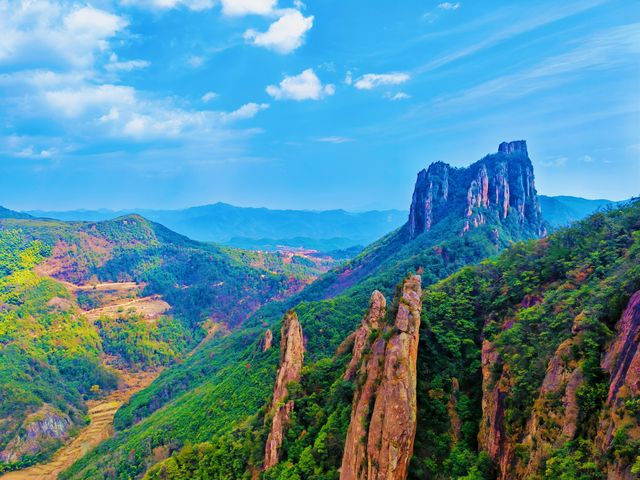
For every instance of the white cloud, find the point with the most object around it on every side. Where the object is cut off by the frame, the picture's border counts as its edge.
(449, 6)
(587, 159)
(372, 80)
(348, 78)
(74, 102)
(54, 33)
(124, 66)
(207, 97)
(553, 162)
(333, 139)
(161, 123)
(195, 61)
(530, 18)
(246, 111)
(605, 50)
(248, 7)
(195, 5)
(284, 35)
(397, 96)
(305, 86)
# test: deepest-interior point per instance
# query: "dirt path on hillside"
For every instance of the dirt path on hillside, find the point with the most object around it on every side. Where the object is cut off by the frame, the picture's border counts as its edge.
(101, 413)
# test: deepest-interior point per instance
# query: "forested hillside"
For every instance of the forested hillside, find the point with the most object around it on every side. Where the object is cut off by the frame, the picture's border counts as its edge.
(80, 300)
(214, 395)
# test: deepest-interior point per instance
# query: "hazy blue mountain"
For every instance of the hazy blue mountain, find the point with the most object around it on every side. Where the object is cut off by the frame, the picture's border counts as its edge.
(266, 229)
(6, 213)
(260, 227)
(562, 210)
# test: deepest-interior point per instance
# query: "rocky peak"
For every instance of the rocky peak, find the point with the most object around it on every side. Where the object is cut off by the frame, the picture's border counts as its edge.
(267, 340)
(382, 429)
(291, 358)
(513, 147)
(432, 187)
(492, 189)
(370, 323)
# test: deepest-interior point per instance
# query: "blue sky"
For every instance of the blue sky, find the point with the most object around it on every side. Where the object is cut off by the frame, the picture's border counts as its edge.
(315, 105)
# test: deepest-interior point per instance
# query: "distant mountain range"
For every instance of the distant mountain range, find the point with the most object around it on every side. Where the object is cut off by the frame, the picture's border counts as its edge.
(266, 229)
(260, 228)
(563, 210)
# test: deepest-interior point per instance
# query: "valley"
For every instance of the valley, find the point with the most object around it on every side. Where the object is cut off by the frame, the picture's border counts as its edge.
(100, 428)
(328, 240)
(467, 343)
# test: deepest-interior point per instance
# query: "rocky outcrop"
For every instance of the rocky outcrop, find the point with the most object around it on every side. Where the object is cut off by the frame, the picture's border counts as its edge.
(501, 184)
(517, 146)
(291, 358)
(267, 340)
(431, 191)
(553, 423)
(622, 361)
(369, 326)
(38, 431)
(492, 437)
(381, 432)
(454, 418)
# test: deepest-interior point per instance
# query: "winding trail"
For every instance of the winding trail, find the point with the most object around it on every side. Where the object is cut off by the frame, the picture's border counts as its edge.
(101, 413)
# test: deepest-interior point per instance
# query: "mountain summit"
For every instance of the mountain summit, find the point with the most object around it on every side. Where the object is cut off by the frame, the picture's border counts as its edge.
(500, 186)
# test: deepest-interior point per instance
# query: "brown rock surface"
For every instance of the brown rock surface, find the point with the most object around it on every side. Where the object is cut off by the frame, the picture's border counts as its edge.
(291, 357)
(553, 424)
(267, 340)
(622, 361)
(492, 437)
(370, 322)
(382, 430)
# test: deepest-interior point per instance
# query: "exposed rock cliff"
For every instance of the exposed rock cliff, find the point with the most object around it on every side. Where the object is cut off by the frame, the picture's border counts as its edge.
(499, 185)
(553, 423)
(370, 325)
(267, 340)
(622, 361)
(291, 357)
(39, 429)
(492, 437)
(382, 429)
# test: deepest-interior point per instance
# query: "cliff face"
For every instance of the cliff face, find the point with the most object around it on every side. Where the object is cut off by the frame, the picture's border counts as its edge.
(492, 436)
(39, 430)
(553, 423)
(622, 362)
(291, 358)
(382, 429)
(370, 324)
(495, 187)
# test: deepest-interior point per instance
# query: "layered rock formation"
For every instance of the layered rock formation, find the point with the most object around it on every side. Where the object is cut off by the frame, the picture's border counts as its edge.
(553, 423)
(267, 340)
(370, 324)
(622, 361)
(555, 418)
(499, 185)
(291, 358)
(38, 431)
(492, 437)
(381, 432)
